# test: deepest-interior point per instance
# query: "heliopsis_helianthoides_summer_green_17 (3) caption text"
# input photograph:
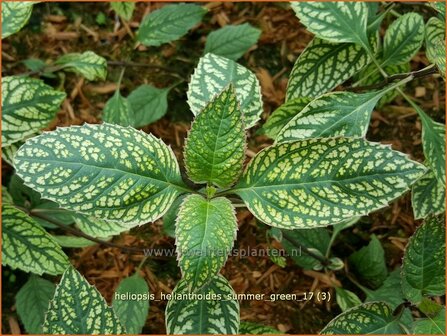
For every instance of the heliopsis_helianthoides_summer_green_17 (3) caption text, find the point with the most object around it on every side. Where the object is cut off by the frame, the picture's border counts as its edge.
(223, 168)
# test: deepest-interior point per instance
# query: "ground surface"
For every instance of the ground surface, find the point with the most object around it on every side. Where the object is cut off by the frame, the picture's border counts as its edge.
(58, 28)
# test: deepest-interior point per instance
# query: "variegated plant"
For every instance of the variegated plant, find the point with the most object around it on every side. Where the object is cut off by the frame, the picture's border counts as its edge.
(321, 171)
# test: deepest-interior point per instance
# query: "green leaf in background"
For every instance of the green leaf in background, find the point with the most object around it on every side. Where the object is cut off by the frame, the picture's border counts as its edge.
(118, 111)
(88, 64)
(322, 66)
(213, 74)
(403, 39)
(433, 143)
(6, 196)
(78, 308)
(205, 231)
(423, 266)
(232, 41)
(32, 303)
(73, 241)
(15, 15)
(334, 114)
(282, 115)
(99, 228)
(390, 291)
(123, 9)
(251, 328)
(28, 105)
(106, 171)
(169, 23)
(428, 196)
(435, 43)
(368, 318)
(429, 307)
(34, 64)
(439, 6)
(215, 146)
(132, 312)
(316, 240)
(431, 325)
(370, 75)
(320, 182)
(171, 216)
(346, 299)
(213, 316)
(369, 263)
(335, 21)
(10, 151)
(148, 104)
(27, 246)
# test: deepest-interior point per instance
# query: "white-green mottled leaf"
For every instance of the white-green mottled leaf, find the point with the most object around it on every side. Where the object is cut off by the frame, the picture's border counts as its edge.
(423, 266)
(118, 111)
(213, 74)
(433, 143)
(251, 328)
(333, 114)
(369, 263)
(435, 43)
(431, 325)
(320, 182)
(15, 15)
(346, 299)
(27, 246)
(73, 241)
(322, 66)
(132, 312)
(28, 105)
(205, 231)
(148, 104)
(6, 196)
(390, 291)
(123, 9)
(215, 146)
(169, 23)
(428, 196)
(88, 64)
(194, 316)
(78, 308)
(334, 21)
(439, 6)
(403, 39)
(232, 41)
(282, 115)
(10, 151)
(368, 318)
(32, 303)
(105, 171)
(99, 228)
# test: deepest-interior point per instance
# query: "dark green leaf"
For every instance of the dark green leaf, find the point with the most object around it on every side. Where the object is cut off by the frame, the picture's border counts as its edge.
(148, 104)
(118, 111)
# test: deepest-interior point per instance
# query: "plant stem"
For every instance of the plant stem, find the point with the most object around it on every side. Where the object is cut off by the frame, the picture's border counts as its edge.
(324, 261)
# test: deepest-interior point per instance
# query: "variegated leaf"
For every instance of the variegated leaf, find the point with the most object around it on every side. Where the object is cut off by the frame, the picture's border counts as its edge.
(78, 308)
(439, 6)
(335, 21)
(28, 105)
(117, 110)
(15, 15)
(105, 171)
(368, 318)
(423, 265)
(99, 228)
(320, 182)
(205, 231)
(88, 64)
(232, 41)
(333, 114)
(123, 9)
(29, 247)
(10, 151)
(428, 196)
(215, 146)
(213, 74)
(403, 39)
(257, 329)
(201, 316)
(282, 115)
(346, 299)
(322, 66)
(435, 43)
(169, 23)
